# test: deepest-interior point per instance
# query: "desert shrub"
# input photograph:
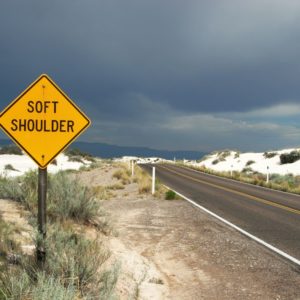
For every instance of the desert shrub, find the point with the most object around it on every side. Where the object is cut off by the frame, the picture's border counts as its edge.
(116, 186)
(15, 283)
(10, 189)
(237, 154)
(122, 174)
(216, 161)
(285, 180)
(7, 244)
(72, 258)
(9, 167)
(11, 149)
(249, 163)
(67, 198)
(54, 162)
(75, 153)
(269, 154)
(95, 164)
(49, 288)
(102, 192)
(75, 159)
(71, 270)
(247, 170)
(223, 154)
(288, 158)
(170, 195)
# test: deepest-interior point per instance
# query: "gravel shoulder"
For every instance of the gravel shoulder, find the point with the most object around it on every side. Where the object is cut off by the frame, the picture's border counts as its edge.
(172, 250)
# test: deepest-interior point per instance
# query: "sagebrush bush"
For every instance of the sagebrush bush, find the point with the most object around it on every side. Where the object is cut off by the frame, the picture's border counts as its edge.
(269, 154)
(49, 288)
(72, 258)
(249, 163)
(71, 270)
(76, 154)
(288, 158)
(11, 149)
(170, 195)
(15, 283)
(223, 154)
(9, 167)
(237, 154)
(10, 189)
(7, 244)
(66, 197)
(76, 159)
(216, 161)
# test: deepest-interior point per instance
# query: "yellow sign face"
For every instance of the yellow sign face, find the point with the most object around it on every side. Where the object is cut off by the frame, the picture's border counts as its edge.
(43, 121)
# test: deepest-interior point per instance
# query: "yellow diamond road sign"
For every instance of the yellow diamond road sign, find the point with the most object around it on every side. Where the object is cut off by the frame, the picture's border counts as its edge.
(43, 120)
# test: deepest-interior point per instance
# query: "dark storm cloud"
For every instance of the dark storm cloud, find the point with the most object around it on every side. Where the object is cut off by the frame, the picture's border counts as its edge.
(131, 63)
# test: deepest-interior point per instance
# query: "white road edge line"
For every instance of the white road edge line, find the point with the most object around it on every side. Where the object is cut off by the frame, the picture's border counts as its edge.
(253, 237)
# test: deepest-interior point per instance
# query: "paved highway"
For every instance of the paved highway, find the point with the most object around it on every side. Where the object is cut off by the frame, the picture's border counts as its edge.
(267, 214)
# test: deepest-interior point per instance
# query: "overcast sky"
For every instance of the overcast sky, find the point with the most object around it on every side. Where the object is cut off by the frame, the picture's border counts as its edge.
(167, 74)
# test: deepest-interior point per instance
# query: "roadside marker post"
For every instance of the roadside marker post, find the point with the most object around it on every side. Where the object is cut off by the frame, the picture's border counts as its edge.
(153, 180)
(43, 121)
(268, 174)
(132, 168)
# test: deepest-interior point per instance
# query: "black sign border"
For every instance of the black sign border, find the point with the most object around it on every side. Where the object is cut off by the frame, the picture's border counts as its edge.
(66, 97)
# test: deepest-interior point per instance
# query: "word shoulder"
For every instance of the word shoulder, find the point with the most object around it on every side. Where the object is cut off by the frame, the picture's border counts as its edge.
(42, 125)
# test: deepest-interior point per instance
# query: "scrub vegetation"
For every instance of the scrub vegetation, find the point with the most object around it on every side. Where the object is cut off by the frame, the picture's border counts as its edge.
(11, 149)
(285, 183)
(288, 158)
(74, 268)
(77, 155)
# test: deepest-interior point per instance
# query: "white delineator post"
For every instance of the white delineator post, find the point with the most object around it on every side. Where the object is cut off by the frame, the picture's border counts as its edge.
(268, 175)
(153, 180)
(132, 168)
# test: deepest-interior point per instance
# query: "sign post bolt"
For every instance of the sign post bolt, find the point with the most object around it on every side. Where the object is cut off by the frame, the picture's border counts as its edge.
(42, 196)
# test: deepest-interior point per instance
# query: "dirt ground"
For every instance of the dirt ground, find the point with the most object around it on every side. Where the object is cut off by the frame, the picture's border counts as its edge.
(172, 250)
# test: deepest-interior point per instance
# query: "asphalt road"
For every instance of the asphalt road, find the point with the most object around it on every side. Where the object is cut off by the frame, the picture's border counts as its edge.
(269, 215)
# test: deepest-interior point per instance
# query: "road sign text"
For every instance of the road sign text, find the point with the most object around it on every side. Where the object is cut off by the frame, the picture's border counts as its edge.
(42, 125)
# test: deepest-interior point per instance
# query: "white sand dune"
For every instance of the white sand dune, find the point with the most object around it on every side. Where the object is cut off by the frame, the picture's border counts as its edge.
(23, 163)
(236, 161)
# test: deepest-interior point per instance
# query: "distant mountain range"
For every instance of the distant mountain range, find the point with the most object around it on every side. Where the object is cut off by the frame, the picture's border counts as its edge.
(110, 151)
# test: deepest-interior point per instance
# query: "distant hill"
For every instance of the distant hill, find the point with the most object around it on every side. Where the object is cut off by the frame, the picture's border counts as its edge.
(110, 151)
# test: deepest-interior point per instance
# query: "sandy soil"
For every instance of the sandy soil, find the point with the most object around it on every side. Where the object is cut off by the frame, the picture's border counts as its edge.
(172, 250)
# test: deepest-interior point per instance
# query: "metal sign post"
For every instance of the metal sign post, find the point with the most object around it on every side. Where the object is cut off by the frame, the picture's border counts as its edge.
(42, 196)
(43, 121)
